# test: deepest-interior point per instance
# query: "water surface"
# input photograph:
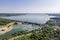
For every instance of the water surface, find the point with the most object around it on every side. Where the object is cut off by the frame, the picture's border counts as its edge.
(41, 19)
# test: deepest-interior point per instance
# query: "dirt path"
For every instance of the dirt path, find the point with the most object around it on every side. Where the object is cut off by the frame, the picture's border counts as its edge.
(18, 36)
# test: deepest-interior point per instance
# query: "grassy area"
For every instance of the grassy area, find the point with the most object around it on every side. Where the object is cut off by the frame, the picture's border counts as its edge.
(1, 26)
(4, 22)
(26, 37)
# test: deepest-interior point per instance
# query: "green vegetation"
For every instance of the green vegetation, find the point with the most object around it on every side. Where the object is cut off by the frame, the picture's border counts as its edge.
(45, 33)
(53, 23)
(4, 22)
(1, 26)
(26, 37)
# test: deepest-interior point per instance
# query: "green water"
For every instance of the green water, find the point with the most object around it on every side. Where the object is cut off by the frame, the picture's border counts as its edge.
(19, 27)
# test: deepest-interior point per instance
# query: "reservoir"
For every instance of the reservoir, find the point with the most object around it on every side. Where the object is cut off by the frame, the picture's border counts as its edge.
(40, 19)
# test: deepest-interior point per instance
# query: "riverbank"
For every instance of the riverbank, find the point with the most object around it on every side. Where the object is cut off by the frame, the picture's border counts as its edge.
(7, 28)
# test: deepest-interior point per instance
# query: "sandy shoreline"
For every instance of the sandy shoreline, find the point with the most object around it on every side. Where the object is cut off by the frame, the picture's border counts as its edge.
(7, 28)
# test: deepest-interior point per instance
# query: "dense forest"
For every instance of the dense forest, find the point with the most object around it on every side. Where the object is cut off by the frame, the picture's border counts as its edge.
(45, 33)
